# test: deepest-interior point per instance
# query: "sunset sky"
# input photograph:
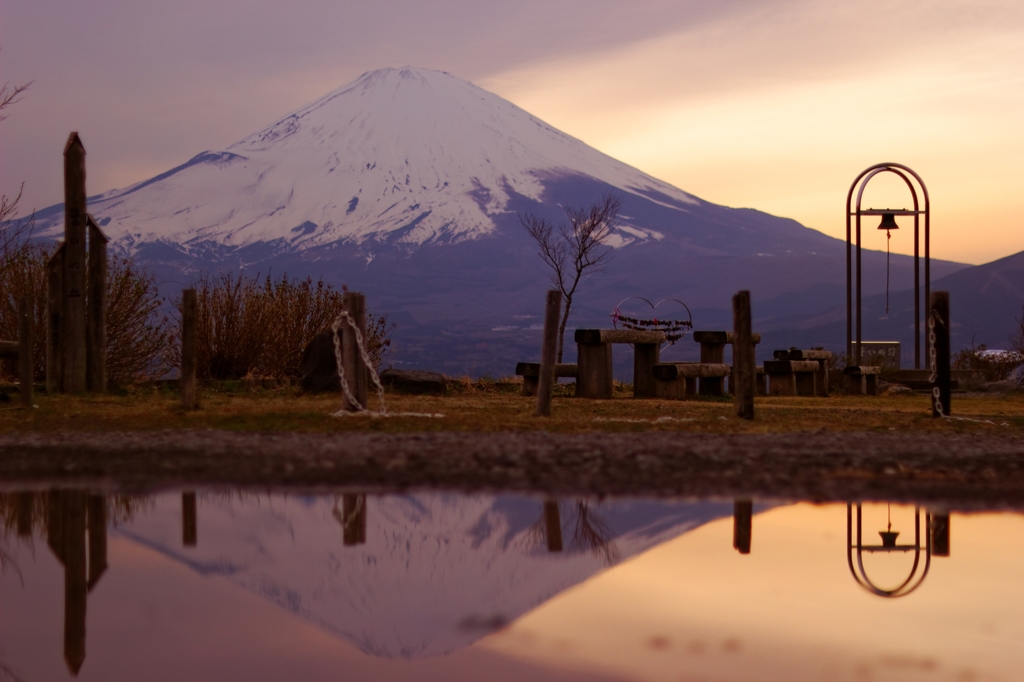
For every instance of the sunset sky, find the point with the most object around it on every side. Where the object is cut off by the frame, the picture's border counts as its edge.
(773, 104)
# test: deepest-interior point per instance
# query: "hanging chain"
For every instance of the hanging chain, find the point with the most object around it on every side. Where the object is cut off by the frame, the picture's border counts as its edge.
(888, 237)
(345, 318)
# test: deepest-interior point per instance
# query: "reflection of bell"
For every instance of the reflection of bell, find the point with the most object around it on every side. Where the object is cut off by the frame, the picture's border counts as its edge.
(888, 222)
(889, 538)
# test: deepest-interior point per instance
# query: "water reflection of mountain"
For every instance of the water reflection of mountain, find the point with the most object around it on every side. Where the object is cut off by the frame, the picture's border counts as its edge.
(432, 573)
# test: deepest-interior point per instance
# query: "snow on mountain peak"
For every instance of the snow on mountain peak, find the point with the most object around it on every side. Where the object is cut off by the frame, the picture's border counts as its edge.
(406, 156)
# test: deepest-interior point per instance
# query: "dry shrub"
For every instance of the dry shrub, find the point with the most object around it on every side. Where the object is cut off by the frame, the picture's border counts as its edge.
(990, 367)
(136, 334)
(248, 327)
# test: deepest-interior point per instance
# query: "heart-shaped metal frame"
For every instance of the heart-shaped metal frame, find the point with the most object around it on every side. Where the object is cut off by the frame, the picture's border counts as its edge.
(674, 329)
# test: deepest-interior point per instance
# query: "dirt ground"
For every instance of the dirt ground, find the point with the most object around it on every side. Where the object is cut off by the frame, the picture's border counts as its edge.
(839, 448)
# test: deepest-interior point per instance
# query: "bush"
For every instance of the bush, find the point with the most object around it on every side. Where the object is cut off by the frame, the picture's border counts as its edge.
(246, 328)
(991, 366)
(136, 335)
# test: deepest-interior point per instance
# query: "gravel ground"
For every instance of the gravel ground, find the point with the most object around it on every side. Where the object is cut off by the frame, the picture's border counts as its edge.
(962, 472)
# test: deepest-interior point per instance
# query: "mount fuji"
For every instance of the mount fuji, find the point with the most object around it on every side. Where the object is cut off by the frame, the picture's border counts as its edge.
(406, 184)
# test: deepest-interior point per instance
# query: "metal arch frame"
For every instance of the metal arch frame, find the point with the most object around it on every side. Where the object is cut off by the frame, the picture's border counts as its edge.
(863, 179)
(908, 585)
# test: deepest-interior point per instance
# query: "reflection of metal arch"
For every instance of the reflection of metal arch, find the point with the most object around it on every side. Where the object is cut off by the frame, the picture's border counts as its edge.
(901, 171)
(861, 576)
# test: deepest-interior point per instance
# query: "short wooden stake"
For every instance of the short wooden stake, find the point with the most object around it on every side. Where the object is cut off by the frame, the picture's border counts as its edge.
(938, 351)
(546, 380)
(744, 367)
(553, 525)
(74, 265)
(356, 375)
(189, 339)
(189, 530)
(55, 322)
(742, 525)
(26, 364)
(96, 324)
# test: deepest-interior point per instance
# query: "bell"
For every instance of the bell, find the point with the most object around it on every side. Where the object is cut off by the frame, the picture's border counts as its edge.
(889, 538)
(888, 222)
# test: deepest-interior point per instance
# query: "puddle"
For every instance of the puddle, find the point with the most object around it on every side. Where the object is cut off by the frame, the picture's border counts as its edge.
(430, 586)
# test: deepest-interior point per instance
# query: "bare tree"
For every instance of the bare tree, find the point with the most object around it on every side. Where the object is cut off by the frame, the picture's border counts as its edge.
(12, 232)
(574, 247)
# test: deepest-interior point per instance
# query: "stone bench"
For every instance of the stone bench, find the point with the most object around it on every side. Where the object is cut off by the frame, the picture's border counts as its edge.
(822, 357)
(863, 379)
(791, 377)
(712, 351)
(679, 380)
(530, 372)
(594, 358)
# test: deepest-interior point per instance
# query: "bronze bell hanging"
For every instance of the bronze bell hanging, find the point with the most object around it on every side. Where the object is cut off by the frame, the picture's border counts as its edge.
(888, 222)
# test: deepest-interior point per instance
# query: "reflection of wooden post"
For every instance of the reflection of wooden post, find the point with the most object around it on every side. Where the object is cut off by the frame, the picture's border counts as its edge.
(96, 325)
(744, 369)
(189, 338)
(24, 502)
(938, 336)
(552, 526)
(55, 322)
(355, 369)
(354, 515)
(940, 534)
(97, 538)
(189, 530)
(75, 581)
(548, 353)
(742, 525)
(74, 265)
(55, 503)
(26, 363)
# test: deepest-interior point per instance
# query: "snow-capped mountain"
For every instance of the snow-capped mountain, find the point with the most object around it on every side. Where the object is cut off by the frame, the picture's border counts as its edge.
(400, 155)
(407, 185)
(436, 572)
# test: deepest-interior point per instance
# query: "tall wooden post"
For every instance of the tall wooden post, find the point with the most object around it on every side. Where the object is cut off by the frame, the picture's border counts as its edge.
(96, 324)
(742, 525)
(75, 580)
(189, 340)
(26, 361)
(356, 375)
(74, 265)
(546, 381)
(55, 322)
(553, 525)
(189, 520)
(744, 368)
(938, 351)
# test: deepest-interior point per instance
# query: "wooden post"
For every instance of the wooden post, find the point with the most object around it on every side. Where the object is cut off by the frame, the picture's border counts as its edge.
(546, 380)
(26, 364)
(645, 357)
(55, 322)
(189, 530)
(354, 520)
(938, 350)
(742, 525)
(96, 324)
(74, 265)
(552, 525)
(97, 538)
(356, 375)
(744, 368)
(188, 348)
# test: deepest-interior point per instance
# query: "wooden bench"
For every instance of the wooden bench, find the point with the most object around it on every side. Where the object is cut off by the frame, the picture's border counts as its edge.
(594, 360)
(791, 377)
(530, 372)
(712, 351)
(679, 380)
(822, 357)
(863, 379)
